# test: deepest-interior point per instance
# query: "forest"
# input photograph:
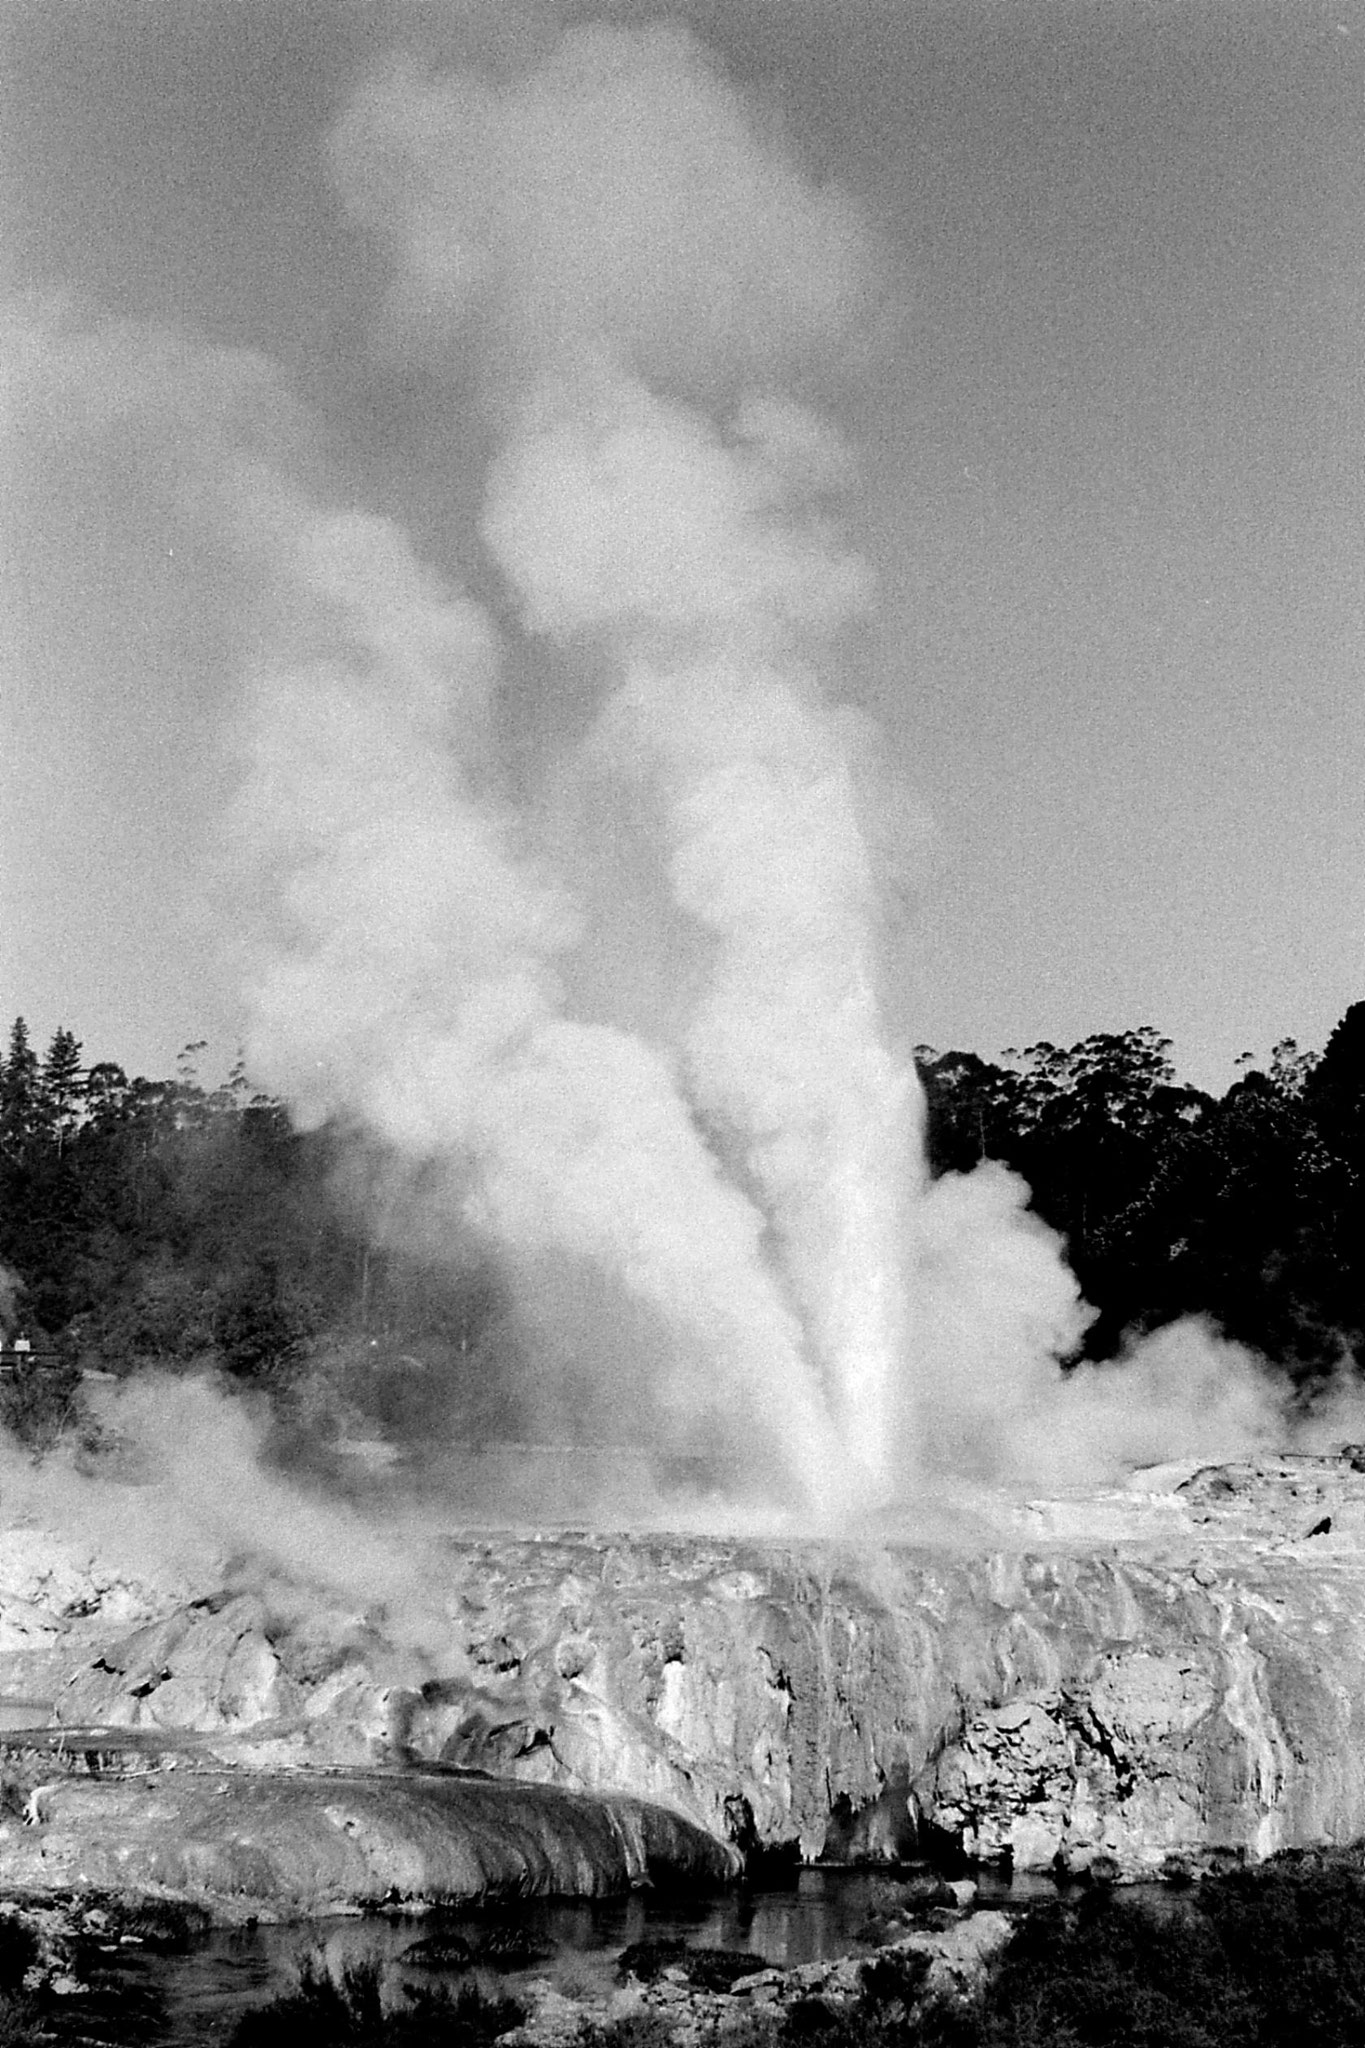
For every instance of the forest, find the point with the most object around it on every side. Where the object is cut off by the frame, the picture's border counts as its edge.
(164, 1223)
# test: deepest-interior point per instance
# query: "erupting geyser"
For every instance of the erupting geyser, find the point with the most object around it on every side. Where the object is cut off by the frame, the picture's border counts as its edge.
(582, 915)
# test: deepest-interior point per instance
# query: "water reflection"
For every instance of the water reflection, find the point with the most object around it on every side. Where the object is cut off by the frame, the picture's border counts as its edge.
(817, 1915)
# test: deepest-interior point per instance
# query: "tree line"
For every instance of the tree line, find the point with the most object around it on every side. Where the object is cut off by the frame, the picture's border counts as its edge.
(161, 1222)
(1248, 1208)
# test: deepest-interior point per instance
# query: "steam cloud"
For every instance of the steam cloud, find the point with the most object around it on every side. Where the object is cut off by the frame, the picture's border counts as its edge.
(624, 270)
(643, 274)
(572, 895)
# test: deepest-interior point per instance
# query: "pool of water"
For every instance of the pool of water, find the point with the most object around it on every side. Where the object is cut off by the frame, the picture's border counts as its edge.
(193, 2000)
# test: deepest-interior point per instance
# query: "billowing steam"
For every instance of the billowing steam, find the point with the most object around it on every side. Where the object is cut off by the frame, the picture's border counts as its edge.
(568, 873)
(581, 916)
(640, 275)
(181, 1499)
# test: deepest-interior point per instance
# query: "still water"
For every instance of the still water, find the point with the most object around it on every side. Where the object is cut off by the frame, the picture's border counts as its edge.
(193, 2000)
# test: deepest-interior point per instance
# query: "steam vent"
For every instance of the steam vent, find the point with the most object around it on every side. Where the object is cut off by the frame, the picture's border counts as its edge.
(1140, 1679)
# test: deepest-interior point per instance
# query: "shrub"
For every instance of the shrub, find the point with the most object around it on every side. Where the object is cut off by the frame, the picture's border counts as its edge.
(40, 1403)
(655, 2030)
(506, 1945)
(716, 1969)
(462, 2019)
(894, 1982)
(168, 1927)
(648, 1959)
(708, 1969)
(1270, 1955)
(348, 2011)
(1273, 1956)
(21, 2023)
(18, 1951)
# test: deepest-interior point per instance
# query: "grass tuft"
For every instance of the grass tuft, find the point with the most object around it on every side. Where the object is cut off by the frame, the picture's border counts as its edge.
(348, 2010)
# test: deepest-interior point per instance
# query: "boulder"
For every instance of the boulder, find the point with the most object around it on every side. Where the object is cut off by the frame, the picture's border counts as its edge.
(1109, 1772)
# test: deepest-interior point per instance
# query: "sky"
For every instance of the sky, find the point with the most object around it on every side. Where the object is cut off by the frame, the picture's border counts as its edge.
(1106, 418)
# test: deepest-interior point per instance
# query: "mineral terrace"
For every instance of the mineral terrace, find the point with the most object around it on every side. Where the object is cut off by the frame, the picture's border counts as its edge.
(1132, 1680)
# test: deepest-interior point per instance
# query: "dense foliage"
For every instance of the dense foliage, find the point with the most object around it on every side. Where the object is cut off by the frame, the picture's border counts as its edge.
(20, 2018)
(1268, 1956)
(1249, 1209)
(162, 1223)
(350, 2010)
(1265, 1958)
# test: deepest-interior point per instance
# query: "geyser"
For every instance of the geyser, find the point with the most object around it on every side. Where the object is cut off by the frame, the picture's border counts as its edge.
(574, 898)
(653, 294)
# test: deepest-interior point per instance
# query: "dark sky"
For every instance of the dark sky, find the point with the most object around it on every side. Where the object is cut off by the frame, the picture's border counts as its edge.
(1111, 446)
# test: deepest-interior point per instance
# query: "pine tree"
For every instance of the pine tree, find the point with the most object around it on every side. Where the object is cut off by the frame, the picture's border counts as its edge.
(1335, 1090)
(61, 1085)
(20, 1091)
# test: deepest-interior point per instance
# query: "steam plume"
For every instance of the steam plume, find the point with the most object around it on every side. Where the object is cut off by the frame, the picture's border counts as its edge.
(623, 267)
(579, 910)
(416, 986)
(652, 268)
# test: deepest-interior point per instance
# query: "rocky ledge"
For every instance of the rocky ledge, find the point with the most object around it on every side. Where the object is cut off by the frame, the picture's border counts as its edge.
(310, 1843)
(1129, 1682)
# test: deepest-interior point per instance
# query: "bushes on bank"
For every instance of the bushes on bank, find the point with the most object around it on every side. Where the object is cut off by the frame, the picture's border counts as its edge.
(20, 2019)
(348, 2010)
(39, 1404)
(1272, 1957)
(1266, 1958)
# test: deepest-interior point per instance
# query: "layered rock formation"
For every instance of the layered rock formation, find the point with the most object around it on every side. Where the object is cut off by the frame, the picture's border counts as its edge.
(312, 1843)
(1127, 1680)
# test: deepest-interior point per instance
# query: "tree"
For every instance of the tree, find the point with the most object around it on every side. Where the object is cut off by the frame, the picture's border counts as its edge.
(61, 1085)
(1334, 1092)
(19, 1091)
(106, 1095)
(973, 1110)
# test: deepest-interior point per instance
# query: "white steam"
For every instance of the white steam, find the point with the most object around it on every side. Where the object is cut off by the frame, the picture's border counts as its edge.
(579, 910)
(621, 243)
(414, 986)
(652, 304)
(181, 1501)
(699, 602)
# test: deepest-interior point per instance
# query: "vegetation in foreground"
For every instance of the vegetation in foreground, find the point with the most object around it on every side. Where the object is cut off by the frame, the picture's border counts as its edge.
(20, 2017)
(1266, 1958)
(348, 2010)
